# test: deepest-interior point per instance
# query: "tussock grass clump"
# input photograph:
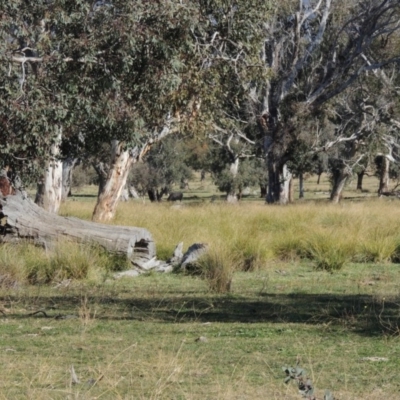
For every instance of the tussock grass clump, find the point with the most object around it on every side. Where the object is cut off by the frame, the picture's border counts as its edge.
(289, 246)
(12, 260)
(26, 263)
(380, 249)
(217, 266)
(329, 250)
(69, 260)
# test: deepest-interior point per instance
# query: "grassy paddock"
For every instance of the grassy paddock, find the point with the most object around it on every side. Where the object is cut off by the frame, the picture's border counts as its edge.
(138, 338)
(328, 235)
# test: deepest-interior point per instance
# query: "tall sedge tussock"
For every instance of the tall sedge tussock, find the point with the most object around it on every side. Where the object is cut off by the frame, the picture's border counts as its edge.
(217, 266)
(329, 250)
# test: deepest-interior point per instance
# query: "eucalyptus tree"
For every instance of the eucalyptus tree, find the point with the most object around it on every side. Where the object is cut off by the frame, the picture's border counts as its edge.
(291, 58)
(163, 166)
(111, 71)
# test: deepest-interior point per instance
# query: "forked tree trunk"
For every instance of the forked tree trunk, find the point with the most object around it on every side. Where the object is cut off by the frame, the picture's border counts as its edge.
(49, 188)
(107, 201)
(67, 167)
(27, 221)
(340, 174)
(384, 179)
(232, 196)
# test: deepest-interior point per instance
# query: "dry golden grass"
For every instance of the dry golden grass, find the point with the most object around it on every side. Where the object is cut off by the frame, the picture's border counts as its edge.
(137, 339)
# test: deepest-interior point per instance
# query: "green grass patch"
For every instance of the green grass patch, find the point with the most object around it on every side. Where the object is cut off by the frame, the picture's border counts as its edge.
(140, 338)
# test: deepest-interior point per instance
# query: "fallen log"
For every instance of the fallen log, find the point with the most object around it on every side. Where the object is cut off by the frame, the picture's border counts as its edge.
(25, 221)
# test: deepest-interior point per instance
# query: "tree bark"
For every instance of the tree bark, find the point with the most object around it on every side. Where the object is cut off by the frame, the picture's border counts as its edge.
(360, 177)
(102, 170)
(67, 167)
(263, 191)
(291, 190)
(384, 176)
(340, 174)
(301, 186)
(27, 221)
(121, 162)
(278, 183)
(49, 188)
(232, 196)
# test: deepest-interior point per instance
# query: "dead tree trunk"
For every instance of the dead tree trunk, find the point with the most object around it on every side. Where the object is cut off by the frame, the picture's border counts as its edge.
(27, 221)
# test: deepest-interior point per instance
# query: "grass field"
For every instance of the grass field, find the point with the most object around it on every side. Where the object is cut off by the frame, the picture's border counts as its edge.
(172, 337)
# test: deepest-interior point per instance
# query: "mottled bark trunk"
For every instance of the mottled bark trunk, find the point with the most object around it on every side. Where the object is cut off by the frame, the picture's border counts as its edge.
(384, 179)
(49, 188)
(360, 177)
(107, 201)
(232, 196)
(301, 186)
(67, 167)
(278, 182)
(319, 179)
(340, 174)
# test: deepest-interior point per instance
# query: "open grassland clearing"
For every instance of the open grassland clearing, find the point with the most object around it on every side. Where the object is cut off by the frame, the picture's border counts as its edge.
(143, 338)
(173, 337)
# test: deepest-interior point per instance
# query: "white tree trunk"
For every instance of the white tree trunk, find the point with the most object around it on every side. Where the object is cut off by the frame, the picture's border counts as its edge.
(133, 192)
(284, 197)
(234, 169)
(49, 189)
(107, 201)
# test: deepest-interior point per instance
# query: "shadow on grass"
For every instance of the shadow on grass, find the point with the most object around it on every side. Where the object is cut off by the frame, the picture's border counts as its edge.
(363, 314)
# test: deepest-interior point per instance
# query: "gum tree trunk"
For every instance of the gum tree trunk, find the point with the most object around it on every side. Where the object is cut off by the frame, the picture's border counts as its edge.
(384, 176)
(360, 177)
(49, 188)
(232, 196)
(301, 186)
(340, 174)
(109, 195)
(279, 178)
(67, 168)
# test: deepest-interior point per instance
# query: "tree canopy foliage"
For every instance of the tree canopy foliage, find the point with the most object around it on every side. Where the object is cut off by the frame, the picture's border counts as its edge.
(266, 75)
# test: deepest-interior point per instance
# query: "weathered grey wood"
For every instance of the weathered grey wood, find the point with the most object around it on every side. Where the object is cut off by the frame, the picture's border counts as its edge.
(27, 221)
